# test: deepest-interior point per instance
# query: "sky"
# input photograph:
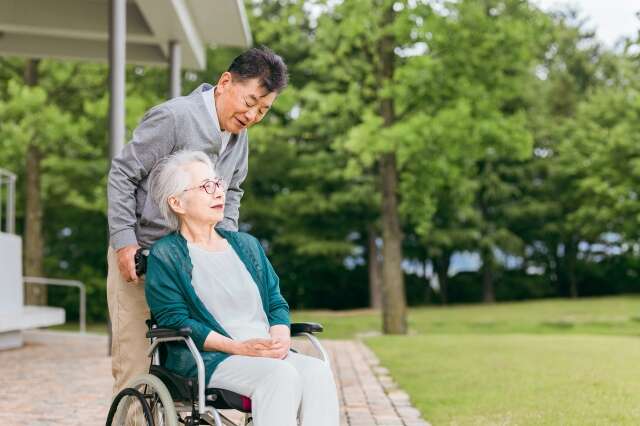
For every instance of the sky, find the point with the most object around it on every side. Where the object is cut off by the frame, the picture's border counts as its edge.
(612, 19)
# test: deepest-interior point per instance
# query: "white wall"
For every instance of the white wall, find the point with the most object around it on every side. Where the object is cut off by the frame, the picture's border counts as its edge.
(10, 273)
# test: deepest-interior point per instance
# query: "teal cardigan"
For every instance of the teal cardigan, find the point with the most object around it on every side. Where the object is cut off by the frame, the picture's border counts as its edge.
(174, 303)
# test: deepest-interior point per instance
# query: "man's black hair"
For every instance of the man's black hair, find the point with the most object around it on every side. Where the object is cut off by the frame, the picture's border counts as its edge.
(261, 63)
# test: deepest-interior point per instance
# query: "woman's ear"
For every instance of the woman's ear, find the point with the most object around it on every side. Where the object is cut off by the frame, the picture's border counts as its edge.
(175, 204)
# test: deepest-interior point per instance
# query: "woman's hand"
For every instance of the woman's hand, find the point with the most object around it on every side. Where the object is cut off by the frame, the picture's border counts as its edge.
(258, 347)
(281, 338)
(276, 347)
(280, 347)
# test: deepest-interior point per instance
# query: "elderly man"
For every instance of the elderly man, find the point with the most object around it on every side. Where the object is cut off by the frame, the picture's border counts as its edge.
(211, 119)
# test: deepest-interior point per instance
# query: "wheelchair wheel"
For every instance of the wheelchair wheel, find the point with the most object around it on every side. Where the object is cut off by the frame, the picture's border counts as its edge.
(145, 401)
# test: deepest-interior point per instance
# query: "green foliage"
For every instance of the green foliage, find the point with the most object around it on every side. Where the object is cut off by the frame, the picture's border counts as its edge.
(515, 134)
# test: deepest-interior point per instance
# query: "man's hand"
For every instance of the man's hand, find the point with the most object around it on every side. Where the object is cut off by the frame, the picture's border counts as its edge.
(127, 264)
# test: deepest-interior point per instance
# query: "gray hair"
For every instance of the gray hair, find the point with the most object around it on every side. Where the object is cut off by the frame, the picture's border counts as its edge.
(170, 178)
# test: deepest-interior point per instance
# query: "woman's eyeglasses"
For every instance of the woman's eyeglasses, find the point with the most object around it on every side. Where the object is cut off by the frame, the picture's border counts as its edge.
(210, 186)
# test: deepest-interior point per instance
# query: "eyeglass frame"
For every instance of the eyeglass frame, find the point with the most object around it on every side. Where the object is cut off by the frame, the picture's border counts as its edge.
(219, 183)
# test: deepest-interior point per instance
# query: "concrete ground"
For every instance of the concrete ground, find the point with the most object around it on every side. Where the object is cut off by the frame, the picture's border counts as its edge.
(61, 378)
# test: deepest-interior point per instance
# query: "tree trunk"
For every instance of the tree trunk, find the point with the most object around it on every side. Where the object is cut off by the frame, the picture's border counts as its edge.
(441, 266)
(394, 304)
(33, 244)
(427, 287)
(375, 271)
(488, 293)
(571, 257)
(393, 294)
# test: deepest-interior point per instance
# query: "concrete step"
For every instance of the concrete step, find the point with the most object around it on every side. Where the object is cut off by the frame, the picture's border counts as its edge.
(13, 322)
(31, 317)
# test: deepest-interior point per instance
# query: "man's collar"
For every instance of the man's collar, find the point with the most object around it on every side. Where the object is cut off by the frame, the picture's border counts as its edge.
(209, 96)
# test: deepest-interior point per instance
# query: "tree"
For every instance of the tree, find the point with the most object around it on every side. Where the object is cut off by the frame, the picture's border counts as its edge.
(469, 96)
(33, 128)
(574, 65)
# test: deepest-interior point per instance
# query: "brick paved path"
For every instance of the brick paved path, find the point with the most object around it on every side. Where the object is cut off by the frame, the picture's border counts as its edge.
(65, 379)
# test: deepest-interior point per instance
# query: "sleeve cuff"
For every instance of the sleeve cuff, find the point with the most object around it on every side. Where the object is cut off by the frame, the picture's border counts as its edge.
(228, 224)
(126, 237)
(281, 319)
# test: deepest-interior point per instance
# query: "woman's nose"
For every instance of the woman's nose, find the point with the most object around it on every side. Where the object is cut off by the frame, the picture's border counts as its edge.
(219, 192)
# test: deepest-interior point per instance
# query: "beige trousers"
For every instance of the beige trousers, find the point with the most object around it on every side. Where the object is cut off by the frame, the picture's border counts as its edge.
(128, 311)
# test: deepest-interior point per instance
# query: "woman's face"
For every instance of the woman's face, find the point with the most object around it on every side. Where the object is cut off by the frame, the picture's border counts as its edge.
(203, 200)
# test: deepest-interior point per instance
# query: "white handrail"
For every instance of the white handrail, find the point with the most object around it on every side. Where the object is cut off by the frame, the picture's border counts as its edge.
(66, 283)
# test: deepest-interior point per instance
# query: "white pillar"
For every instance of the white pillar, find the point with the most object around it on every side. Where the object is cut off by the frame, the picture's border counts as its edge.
(117, 49)
(175, 69)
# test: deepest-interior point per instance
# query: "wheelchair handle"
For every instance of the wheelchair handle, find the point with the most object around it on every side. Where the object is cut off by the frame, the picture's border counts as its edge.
(140, 259)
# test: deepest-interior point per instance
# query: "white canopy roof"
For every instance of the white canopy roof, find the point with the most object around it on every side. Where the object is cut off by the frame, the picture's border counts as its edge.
(79, 29)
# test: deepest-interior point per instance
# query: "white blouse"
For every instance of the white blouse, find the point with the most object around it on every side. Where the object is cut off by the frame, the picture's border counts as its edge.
(228, 291)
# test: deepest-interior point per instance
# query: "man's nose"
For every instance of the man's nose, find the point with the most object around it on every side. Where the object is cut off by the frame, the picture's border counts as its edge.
(251, 114)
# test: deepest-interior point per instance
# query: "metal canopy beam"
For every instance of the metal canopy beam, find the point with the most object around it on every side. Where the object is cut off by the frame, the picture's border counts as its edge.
(75, 19)
(117, 48)
(172, 21)
(78, 29)
(175, 71)
(34, 46)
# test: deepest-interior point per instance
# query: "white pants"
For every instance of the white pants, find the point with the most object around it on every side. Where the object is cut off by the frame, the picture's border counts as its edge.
(279, 388)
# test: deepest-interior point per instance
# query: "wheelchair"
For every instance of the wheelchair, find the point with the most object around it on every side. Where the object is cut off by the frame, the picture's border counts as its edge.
(162, 398)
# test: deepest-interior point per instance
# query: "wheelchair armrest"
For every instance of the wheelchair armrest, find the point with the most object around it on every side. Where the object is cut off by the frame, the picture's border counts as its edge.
(168, 332)
(305, 327)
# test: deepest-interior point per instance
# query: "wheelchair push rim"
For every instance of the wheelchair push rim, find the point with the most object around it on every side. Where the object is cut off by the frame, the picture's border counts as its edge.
(153, 398)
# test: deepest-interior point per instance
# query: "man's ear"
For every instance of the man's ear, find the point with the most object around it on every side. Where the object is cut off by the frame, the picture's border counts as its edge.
(224, 82)
(176, 205)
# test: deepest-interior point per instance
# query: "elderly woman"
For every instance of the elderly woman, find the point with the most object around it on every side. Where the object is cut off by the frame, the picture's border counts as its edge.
(221, 285)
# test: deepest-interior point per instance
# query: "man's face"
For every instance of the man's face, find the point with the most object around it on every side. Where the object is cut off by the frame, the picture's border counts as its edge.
(241, 104)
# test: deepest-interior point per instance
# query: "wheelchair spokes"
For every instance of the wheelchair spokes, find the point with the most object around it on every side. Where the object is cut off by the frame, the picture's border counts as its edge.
(129, 408)
(155, 406)
(152, 404)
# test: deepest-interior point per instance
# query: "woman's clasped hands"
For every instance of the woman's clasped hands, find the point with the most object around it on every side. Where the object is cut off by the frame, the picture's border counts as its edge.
(275, 347)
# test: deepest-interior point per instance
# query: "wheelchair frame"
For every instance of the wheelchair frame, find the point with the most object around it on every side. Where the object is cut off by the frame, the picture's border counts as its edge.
(206, 412)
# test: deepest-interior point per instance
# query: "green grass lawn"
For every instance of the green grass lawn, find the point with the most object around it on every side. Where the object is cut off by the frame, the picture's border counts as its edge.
(517, 379)
(551, 362)
(608, 315)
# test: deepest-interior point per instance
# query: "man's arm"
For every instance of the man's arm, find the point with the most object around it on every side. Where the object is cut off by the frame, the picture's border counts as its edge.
(235, 192)
(153, 139)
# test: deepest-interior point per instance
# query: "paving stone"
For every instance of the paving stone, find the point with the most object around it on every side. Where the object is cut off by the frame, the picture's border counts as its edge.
(408, 412)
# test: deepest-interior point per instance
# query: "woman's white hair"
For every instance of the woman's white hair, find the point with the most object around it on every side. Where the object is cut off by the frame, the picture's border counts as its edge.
(170, 178)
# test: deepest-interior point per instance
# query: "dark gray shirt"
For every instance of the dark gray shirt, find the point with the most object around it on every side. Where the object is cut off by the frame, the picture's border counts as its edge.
(180, 123)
